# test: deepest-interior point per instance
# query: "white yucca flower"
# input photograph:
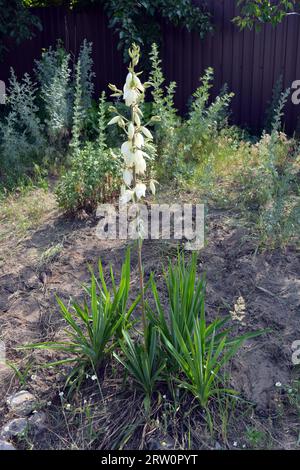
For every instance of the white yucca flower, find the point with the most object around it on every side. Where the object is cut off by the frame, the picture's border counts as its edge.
(126, 196)
(140, 165)
(130, 96)
(127, 177)
(140, 190)
(139, 141)
(152, 187)
(137, 83)
(114, 120)
(130, 131)
(127, 149)
(146, 132)
(137, 135)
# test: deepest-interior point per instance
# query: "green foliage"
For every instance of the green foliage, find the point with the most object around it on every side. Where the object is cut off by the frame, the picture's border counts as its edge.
(181, 144)
(40, 119)
(274, 103)
(92, 176)
(86, 74)
(90, 180)
(16, 22)
(138, 22)
(78, 112)
(199, 350)
(54, 75)
(186, 299)
(22, 141)
(144, 362)
(256, 12)
(273, 186)
(205, 121)
(94, 327)
(163, 106)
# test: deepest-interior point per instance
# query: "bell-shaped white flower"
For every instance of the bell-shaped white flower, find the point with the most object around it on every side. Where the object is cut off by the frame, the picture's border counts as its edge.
(114, 120)
(126, 196)
(152, 187)
(127, 149)
(146, 132)
(130, 96)
(137, 83)
(130, 131)
(140, 165)
(139, 140)
(136, 118)
(128, 153)
(129, 81)
(140, 190)
(127, 177)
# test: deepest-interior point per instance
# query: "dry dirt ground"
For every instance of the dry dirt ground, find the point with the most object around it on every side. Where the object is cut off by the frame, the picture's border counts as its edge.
(269, 283)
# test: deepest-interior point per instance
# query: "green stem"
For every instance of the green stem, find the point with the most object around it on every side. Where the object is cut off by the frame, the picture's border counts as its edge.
(141, 276)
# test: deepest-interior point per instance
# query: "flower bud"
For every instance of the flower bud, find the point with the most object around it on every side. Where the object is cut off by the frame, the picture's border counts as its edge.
(146, 132)
(114, 120)
(130, 131)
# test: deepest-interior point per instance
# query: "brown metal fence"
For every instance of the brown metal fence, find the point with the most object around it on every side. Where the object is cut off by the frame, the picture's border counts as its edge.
(249, 62)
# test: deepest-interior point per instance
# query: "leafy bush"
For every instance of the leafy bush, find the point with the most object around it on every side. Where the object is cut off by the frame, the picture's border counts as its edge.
(163, 106)
(91, 178)
(54, 74)
(137, 22)
(271, 186)
(205, 121)
(181, 144)
(22, 140)
(86, 74)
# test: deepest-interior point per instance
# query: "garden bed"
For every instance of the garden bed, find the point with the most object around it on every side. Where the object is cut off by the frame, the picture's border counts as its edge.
(52, 259)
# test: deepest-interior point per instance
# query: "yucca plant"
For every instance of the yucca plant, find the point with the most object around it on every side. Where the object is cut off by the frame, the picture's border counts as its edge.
(197, 351)
(143, 361)
(186, 296)
(95, 327)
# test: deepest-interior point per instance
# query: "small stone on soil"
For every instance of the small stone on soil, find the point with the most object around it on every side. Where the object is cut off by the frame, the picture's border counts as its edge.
(22, 403)
(13, 428)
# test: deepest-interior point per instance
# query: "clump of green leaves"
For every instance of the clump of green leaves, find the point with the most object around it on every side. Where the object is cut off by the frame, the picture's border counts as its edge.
(274, 184)
(54, 74)
(254, 13)
(205, 120)
(163, 106)
(197, 351)
(93, 173)
(22, 141)
(144, 362)
(137, 22)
